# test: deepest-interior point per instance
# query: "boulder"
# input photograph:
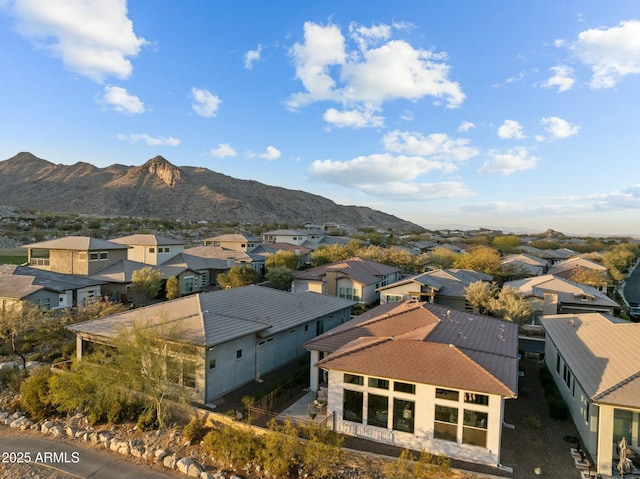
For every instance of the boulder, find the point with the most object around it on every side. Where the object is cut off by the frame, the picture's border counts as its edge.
(46, 426)
(160, 454)
(56, 430)
(194, 470)
(170, 462)
(183, 464)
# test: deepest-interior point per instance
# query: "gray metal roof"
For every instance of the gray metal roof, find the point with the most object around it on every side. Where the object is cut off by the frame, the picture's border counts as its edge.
(77, 243)
(21, 281)
(220, 316)
(147, 240)
(602, 352)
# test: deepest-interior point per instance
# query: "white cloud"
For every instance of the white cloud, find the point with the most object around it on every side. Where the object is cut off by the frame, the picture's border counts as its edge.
(372, 170)
(92, 38)
(367, 36)
(627, 199)
(436, 145)
(562, 78)
(419, 191)
(466, 126)
(150, 140)
(205, 103)
(611, 53)
(559, 128)
(366, 76)
(122, 101)
(251, 57)
(224, 150)
(511, 129)
(353, 118)
(272, 153)
(508, 162)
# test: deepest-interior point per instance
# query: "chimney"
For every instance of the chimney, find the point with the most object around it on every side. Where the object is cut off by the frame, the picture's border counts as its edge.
(550, 303)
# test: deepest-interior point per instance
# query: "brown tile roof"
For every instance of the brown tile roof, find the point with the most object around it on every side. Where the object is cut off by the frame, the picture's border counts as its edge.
(417, 361)
(79, 243)
(488, 346)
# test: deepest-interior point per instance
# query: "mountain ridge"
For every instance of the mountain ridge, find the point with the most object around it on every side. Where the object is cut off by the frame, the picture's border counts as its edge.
(159, 189)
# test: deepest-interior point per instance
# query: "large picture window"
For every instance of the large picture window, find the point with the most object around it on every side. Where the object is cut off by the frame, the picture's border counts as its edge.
(352, 406)
(446, 423)
(474, 428)
(403, 415)
(378, 410)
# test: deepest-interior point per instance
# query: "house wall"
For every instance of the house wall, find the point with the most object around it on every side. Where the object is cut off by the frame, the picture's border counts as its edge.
(261, 354)
(45, 299)
(583, 412)
(79, 262)
(424, 420)
(402, 290)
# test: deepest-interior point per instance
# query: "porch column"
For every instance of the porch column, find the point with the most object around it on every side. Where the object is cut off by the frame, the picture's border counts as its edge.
(314, 372)
(605, 439)
(78, 346)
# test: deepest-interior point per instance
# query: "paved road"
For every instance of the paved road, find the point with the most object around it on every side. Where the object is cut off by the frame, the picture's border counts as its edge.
(632, 286)
(73, 458)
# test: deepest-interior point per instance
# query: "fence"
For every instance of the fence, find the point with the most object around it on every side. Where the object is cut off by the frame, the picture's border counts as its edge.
(262, 417)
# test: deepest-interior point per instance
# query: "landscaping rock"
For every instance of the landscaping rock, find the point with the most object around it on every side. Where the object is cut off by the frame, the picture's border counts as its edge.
(194, 470)
(160, 454)
(183, 464)
(170, 462)
(56, 430)
(46, 426)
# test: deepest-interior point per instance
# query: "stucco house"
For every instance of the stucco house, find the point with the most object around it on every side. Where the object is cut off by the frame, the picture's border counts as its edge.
(295, 237)
(354, 278)
(238, 334)
(236, 242)
(522, 265)
(443, 286)
(80, 255)
(549, 294)
(230, 256)
(150, 249)
(566, 269)
(46, 289)
(421, 376)
(595, 361)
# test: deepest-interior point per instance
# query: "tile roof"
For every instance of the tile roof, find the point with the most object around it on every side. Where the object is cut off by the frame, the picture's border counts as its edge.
(78, 243)
(360, 270)
(147, 240)
(568, 291)
(447, 282)
(216, 317)
(424, 342)
(602, 352)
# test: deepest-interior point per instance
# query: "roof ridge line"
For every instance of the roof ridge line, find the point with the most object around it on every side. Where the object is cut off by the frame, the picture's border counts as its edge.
(618, 385)
(376, 340)
(483, 370)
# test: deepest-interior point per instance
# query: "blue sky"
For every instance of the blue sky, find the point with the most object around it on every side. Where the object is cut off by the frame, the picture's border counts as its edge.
(511, 114)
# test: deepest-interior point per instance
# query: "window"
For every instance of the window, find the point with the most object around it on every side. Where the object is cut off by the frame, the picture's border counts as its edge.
(378, 410)
(473, 398)
(352, 406)
(349, 293)
(212, 363)
(152, 250)
(188, 284)
(189, 374)
(44, 304)
(238, 354)
(292, 331)
(393, 298)
(447, 394)
(353, 379)
(93, 256)
(403, 415)
(82, 256)
(378, 383)
(103, 255)
(404, 387)
(446, 423)
(306, 328)
(474, 428)
(557, 362)
(98, 256)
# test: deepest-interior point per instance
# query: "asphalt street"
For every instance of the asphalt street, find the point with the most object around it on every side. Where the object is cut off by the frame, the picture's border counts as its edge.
(72, 458)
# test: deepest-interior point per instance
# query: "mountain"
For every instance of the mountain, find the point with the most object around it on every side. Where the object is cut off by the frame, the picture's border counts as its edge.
(158, 189)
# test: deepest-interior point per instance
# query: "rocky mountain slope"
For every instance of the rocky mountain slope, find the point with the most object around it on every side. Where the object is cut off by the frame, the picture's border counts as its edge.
(158, 189)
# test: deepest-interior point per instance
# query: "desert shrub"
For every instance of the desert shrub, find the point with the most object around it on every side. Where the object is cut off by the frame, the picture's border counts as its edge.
(236, 446)
(68, 349)
(147, 420)
(322, 452)
(35, 393)
(11, 378)
(426, 466)
(282, 449)
(195, 430)
(532, 422)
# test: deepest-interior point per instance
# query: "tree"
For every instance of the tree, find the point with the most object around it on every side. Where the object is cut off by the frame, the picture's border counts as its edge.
(16, 320)
(173, 288)
(482, 259)
(506, 244)
(280, 277)
(284, 258)
(146, 282)
(480, 295)
(330, 254)
(588, 276)
(238, 276)
(441, 258)
(511, 306)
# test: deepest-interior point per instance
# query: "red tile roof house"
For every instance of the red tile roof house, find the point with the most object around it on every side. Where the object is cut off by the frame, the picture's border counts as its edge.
(421, 376)
(354, 278)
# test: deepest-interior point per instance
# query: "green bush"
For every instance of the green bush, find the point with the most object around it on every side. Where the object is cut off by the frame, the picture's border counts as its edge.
(12, 379)
(236, 446)
(195, 430)
(147, 420)
(532, 422)
(35, 393)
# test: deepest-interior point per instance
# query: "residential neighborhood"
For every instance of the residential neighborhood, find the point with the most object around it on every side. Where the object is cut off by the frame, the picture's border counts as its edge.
(415, 361)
